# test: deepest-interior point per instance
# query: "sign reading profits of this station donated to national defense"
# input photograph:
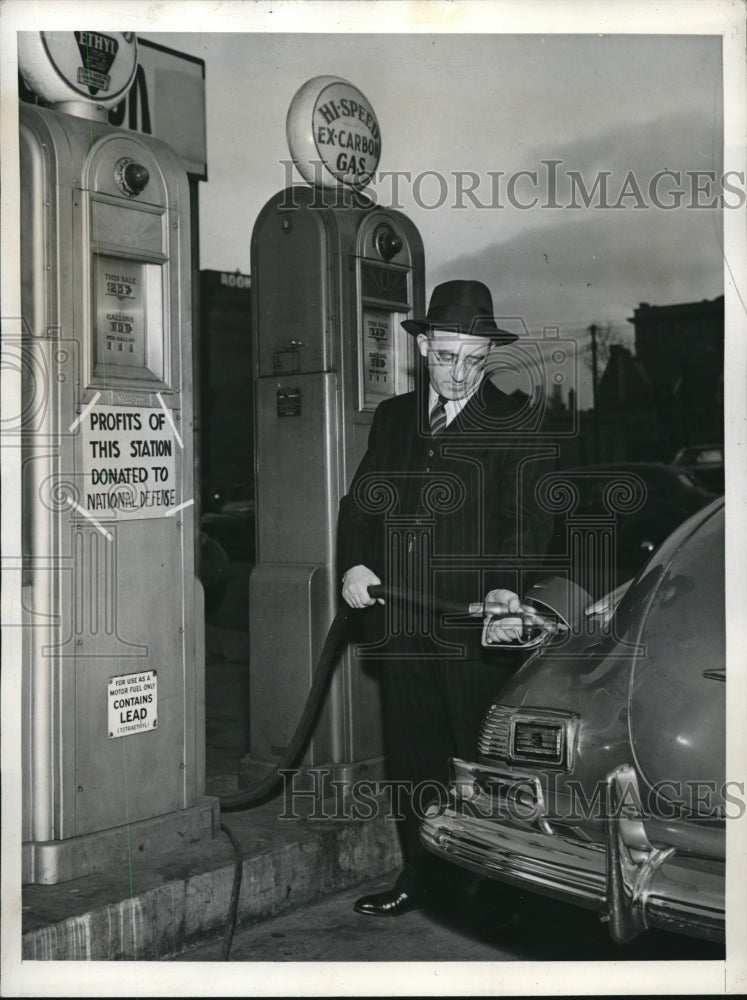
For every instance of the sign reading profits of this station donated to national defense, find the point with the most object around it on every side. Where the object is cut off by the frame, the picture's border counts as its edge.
(333, 134)
(129, 466)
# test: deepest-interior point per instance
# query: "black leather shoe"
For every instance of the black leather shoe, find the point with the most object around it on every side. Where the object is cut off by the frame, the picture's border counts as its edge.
(391, 903)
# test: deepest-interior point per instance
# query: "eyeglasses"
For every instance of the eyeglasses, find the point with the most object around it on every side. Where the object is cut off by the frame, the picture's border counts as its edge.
(450, 358)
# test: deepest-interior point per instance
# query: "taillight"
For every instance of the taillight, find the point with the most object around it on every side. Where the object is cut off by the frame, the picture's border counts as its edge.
(493, 740)
(542, 736)
(528, 736)
(538, 741)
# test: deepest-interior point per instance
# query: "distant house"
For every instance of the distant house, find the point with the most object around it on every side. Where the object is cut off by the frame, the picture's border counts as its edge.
(626, 410)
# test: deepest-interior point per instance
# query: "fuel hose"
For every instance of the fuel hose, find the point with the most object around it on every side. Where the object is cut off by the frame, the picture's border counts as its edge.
(246, 798)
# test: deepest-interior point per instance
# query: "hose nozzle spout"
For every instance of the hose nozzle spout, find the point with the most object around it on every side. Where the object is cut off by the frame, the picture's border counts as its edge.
(481, 608)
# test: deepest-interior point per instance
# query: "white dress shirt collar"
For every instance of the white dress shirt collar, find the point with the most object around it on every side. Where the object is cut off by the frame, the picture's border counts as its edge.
(452, 406)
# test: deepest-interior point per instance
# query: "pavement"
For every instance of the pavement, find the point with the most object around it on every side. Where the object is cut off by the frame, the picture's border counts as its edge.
(341, 935)
(481, 922)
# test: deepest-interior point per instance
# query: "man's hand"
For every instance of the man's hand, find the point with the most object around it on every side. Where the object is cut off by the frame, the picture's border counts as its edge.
(355, 586)
(502, 601)
(508, 620)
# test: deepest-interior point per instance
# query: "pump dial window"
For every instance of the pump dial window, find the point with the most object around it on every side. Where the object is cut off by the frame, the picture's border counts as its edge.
(131, 177)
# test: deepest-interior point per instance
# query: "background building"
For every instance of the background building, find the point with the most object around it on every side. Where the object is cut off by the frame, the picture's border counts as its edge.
(670, 393)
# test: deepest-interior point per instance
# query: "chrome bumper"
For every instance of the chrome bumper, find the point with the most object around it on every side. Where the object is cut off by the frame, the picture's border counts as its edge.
(632, 883)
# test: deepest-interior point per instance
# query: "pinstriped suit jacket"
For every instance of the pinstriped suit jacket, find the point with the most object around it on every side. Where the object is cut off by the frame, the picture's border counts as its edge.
(456, 515)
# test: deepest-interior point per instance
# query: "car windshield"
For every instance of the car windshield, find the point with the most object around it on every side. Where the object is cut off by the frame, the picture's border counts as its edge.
(709, 455)
(699, 454)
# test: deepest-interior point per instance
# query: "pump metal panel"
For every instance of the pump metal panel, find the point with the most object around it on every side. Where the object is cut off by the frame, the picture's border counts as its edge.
(107, 592)
(291, 283)
(297, 474)
(120, 631)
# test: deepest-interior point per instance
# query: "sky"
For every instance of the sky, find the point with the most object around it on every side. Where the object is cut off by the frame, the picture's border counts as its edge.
(485, 104)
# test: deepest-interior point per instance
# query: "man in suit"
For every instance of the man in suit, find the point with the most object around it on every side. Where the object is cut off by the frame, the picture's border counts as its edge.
(442, 504)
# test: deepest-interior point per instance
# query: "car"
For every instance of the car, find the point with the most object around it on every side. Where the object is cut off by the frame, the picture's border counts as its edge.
(233, 526)
(704, 464)
(215, 572)
(643, 501)
(599, 776)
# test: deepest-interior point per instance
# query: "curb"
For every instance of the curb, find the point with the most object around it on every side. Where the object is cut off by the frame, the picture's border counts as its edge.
(173, 902)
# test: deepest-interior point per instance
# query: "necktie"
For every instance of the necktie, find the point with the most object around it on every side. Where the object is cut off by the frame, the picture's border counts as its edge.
(438, 416)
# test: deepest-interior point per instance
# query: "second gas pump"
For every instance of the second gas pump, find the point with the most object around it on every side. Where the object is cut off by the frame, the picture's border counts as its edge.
(333, 276)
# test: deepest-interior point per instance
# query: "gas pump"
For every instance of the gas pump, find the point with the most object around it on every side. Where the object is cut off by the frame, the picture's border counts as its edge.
(333, 275)
(113, 649)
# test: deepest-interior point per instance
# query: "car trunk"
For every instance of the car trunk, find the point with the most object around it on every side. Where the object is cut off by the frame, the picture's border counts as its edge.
(676, 699)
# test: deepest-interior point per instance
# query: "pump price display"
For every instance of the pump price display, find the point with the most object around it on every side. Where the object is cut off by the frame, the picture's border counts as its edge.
(129, 462)
(121, 311)
(133, 704)
(377, 354)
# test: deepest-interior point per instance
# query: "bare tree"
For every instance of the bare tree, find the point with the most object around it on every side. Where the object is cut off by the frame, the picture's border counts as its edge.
(606, 337)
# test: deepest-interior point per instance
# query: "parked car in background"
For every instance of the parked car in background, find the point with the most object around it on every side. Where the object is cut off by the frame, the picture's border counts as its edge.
(704, 464)
(232, 525)
(600, 769)
(215, 572)
(646, 500)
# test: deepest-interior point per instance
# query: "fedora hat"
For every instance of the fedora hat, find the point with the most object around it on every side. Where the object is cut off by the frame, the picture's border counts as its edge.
(463, 307)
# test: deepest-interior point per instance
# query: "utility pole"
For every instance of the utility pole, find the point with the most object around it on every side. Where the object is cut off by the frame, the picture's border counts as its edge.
(595, 424)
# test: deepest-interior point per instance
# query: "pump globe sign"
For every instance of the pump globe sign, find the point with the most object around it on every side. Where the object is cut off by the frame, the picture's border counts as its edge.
(333, 134)
(74, 65)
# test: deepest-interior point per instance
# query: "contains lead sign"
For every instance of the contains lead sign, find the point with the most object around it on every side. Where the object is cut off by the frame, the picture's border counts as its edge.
(133, 704)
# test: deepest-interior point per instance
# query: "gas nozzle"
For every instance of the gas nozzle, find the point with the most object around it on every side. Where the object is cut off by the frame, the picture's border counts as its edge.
(494, 608)
(534, 631)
